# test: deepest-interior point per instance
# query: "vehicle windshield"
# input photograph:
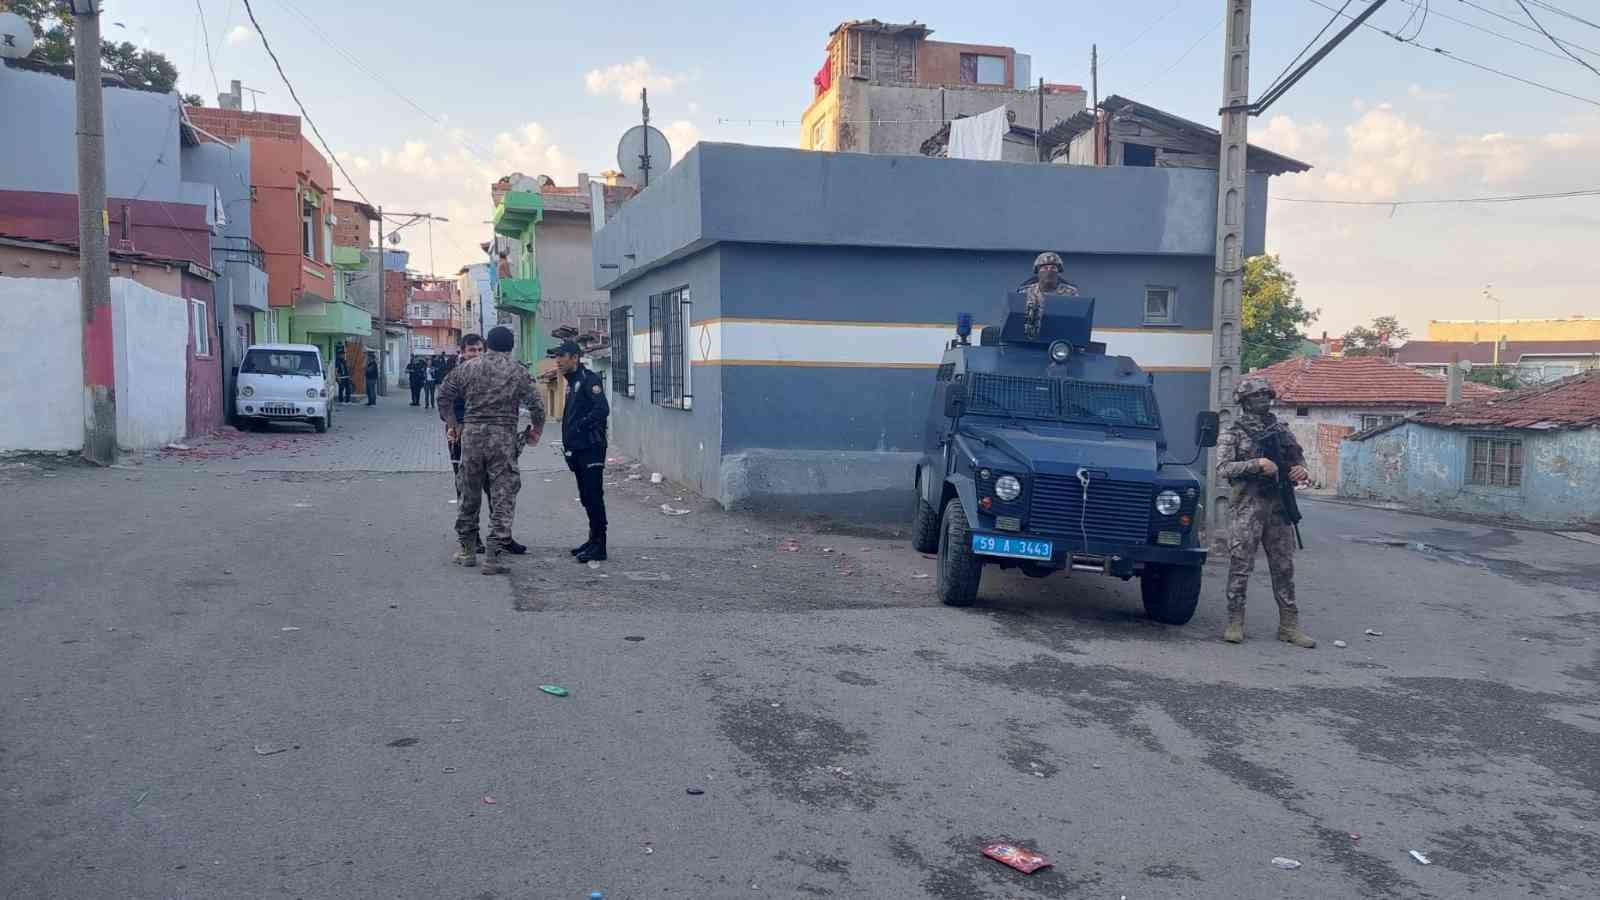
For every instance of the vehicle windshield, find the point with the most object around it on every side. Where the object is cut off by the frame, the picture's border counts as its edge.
(281, 362)
(1064, 399)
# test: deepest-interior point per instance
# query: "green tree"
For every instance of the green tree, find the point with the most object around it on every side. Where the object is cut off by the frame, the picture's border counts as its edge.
(1495, 376)
(1274, 315)
(1378, 339)
(53, 25)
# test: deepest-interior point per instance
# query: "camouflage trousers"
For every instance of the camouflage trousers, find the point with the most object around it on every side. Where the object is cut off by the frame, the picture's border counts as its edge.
(488, 462)
(1256, 523)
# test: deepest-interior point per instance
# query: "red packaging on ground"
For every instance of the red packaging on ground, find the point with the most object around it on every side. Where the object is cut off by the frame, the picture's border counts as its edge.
(1020, 858)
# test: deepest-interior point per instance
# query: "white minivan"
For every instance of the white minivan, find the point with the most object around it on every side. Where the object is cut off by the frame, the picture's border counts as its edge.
(282, 383)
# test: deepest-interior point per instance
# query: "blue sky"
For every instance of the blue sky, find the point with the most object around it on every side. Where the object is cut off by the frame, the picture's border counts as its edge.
(548, 88)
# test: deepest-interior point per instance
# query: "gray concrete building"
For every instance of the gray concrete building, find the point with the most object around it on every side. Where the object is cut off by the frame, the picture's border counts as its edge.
(786, 310)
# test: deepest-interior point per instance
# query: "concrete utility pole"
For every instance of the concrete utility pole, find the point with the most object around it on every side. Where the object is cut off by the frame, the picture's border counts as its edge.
(1228, 286)
(94, 266)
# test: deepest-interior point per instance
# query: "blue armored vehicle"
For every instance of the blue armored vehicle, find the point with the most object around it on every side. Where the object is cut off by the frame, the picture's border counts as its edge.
(1045, 454)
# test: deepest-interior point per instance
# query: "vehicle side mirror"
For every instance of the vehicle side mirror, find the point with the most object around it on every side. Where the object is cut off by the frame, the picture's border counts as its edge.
(955, 401)
(1206, 428)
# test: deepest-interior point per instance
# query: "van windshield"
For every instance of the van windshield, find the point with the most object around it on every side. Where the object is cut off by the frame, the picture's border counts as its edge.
(280, 362)
(1064, 399)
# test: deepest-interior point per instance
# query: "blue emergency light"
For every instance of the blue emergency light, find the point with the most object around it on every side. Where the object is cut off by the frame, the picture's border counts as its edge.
(964, 326)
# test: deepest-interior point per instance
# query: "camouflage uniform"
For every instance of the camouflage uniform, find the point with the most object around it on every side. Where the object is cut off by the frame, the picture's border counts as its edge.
(1033, 311)
(494, 387)
(1257, 516)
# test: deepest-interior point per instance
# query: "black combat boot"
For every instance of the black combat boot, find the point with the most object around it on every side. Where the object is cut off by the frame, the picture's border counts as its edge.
(578, 550)
(596, 551)
(513, 547)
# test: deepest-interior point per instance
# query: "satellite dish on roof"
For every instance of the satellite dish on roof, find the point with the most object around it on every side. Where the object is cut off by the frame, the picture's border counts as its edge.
(643, 152)
(16, 36)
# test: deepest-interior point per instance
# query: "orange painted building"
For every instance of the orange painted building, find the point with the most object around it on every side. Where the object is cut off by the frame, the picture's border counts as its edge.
(434, 313)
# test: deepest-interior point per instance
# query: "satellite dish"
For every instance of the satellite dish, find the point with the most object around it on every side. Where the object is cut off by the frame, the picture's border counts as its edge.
(636, 143)
(394, 238)
(16, 36)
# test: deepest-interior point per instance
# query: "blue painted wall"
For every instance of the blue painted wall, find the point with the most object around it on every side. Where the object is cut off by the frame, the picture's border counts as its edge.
(1427, 468)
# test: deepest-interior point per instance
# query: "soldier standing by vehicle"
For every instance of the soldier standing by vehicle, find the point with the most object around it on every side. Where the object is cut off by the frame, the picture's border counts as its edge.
(583, 440)
(1047, 280)
(494, 388)
(1252, 455)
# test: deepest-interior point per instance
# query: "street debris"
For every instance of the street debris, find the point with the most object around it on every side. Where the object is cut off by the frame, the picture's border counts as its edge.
(694, 791)
(840, 771)
(633, 637)
(594, 564)
(634, 477)
(930, 556)
(1354, 836)
(646, 576)
(1420, 857)
(489, 800)
(789, 545)
(920, 575)
(554, 690)
(827, 549)
(1340, 644)
(597, 895)
(176, 446)
(1020, 858)
(1284, 862)
(655, 478)
(1374, 633)
(669, 509)
(405, 742)
(290, 628)
(448, 770)
(271, 749)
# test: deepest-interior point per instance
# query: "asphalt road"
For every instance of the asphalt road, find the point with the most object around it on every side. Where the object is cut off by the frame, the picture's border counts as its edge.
(247, 670)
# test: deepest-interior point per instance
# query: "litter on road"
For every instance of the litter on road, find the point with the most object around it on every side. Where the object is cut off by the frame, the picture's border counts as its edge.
(554, 690)
(655, 477)
(1284, 862)
(695, 791)
(290, 628)
(1340, 644)
(1020, 858)
(671, 510)
(270, 749)
(489, 800)
(405, 742)
(1420, 857)
(1372, 633)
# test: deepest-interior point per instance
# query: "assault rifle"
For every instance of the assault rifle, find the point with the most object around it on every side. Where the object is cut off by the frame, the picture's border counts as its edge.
(1272, 447)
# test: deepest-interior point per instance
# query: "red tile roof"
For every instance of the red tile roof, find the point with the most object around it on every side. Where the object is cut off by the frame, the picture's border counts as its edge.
(1366, 381)
(1569, 403)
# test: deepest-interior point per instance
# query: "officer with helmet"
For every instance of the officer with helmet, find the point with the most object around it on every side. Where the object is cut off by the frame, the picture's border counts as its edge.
(1046, 280)
(1259, 516)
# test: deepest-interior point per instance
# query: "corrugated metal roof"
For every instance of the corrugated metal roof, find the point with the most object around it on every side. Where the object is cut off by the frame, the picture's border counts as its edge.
(1257, 159)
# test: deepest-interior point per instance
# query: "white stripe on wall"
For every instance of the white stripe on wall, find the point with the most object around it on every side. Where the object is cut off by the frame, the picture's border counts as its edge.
(754, 342)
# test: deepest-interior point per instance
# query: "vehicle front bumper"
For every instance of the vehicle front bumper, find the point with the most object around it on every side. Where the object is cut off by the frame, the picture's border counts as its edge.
(1113, 558)
(281, 409)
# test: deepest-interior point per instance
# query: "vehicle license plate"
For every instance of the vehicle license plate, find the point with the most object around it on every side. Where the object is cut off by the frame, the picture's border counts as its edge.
(1014, 547)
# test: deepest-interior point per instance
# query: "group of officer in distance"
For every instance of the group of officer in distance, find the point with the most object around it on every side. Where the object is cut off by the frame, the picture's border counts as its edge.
(481, 403)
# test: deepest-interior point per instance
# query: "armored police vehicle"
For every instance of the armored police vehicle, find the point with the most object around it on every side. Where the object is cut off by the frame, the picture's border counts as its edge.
(1045, 454)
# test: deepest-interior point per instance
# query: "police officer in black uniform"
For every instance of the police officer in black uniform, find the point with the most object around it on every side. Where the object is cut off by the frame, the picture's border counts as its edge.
(583, 440)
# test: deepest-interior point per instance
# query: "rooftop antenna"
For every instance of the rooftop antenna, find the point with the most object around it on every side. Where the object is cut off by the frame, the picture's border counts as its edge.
(253, 92)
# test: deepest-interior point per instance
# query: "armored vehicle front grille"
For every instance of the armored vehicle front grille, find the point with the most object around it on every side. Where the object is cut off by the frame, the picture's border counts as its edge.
(1010, 395)
(1118, 511)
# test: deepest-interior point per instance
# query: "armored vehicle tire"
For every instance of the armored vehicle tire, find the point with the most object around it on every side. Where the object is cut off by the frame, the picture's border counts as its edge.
(1170, 593)
(924, 525)
(959, 568)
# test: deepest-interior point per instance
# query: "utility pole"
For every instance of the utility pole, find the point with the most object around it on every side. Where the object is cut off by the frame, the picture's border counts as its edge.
(1228, 283)
(1094, 96)
(383, 312)
(94, 266)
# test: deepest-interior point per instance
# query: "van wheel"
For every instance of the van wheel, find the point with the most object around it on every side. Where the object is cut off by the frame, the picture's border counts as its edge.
(320, 424)
(959, 568)
(1170, 593)
(924, 525)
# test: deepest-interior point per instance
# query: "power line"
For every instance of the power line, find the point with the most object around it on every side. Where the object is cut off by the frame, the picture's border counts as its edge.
(1147, 29)
(1181, 57)
(1504, 37)
(1290, 64)
(1523, 25)
(1547, 34)
(1476, 65)
(205, 32)
(1561, 12)
(296, 97)
(1513, 198)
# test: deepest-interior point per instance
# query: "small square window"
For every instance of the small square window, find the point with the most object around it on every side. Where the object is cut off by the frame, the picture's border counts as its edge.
(1158, 305)
(1302, 412)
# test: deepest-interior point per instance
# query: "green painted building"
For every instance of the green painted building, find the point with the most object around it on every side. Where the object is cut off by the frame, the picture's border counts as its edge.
(329, 323)
(515, 219)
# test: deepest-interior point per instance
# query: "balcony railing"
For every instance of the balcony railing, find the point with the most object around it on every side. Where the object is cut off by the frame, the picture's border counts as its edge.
(239, 248)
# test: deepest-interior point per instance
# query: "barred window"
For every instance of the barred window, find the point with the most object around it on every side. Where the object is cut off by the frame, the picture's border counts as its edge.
(622, 351)
(669, 361)
(1496, 462)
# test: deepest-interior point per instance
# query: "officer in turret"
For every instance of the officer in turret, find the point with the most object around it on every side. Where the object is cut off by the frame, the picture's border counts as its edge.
(1250, 454)
(1046, 281)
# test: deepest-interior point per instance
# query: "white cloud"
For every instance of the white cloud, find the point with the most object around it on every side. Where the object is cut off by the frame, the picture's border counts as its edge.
(240, 34)
(681, 135)
(1422, 94)
(626, 79)
(442, 176)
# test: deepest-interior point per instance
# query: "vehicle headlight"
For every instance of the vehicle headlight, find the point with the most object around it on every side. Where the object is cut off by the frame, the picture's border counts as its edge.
(311, 393)
(1168, 503)
(1008, 488)
(247, 391)
(1060, 351)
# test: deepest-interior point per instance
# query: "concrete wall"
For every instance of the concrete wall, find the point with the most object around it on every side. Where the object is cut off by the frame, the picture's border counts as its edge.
(1323, 430)
(152, 355)
(41, 392)
(40, 152)
(1427, 468)
(874, 201)
(901, 117)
